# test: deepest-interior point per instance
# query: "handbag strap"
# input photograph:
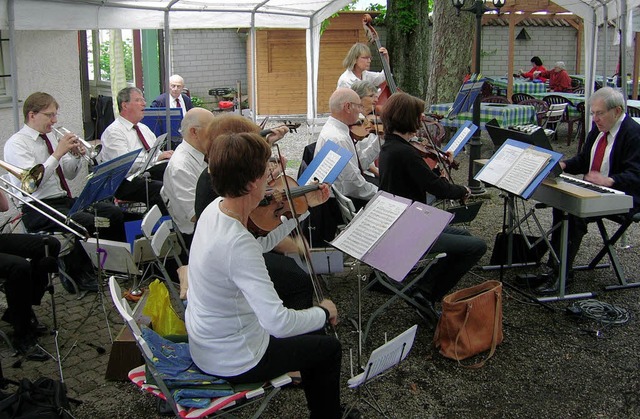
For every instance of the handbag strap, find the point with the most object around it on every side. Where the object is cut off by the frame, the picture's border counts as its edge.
(494, 339)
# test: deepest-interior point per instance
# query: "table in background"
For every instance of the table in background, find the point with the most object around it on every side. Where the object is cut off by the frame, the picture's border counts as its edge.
(519, 85)
(610, 82)
(574, 98)
(506, 115)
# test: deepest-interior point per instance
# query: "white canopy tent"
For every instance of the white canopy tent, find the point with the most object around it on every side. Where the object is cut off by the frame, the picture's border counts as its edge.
(176, 14)
(594, 13)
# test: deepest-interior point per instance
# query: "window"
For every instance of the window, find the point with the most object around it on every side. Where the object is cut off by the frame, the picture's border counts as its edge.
(98, 48)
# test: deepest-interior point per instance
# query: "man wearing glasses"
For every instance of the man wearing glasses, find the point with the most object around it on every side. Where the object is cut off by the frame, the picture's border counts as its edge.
(36, 144)
(345, 106)
(610, 158)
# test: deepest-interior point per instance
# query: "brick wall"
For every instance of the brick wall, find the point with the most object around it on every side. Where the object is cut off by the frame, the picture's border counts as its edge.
(209, 59)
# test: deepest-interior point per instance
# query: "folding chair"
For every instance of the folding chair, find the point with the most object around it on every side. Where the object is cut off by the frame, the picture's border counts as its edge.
(555, 116)
(225, 404)
(158, 239)
(381, 360)
(347, 209)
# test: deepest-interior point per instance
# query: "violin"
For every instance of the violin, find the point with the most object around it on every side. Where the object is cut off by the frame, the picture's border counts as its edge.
(266, 216)
(362, 129)
(432, 155)
(292, 128)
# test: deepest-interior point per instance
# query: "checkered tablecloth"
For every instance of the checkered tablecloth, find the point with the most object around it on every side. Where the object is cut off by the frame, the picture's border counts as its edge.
(519, 86)
(506, 115)
(610, 82)
(572, 97)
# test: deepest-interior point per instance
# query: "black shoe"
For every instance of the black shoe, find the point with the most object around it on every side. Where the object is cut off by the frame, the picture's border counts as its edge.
(38, 328)
(28, 347)
(429, 314)
(552, 286)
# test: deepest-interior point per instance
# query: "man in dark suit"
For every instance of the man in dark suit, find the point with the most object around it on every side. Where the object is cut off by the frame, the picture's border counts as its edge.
(177, 98)
(611, 158)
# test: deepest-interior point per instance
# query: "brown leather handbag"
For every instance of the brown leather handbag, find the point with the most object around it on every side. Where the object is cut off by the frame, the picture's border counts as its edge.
(471, 322)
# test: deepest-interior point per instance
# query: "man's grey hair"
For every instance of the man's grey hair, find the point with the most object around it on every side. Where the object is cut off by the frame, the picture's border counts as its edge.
(124, 95)
(611, 97)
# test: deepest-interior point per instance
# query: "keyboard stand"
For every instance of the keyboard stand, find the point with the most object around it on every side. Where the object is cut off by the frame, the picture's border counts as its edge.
(564, 242)
(609, 249)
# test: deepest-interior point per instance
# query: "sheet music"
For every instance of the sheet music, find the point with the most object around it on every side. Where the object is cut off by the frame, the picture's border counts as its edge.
(325, 167)
(454, 145)
(367, 228)
(514, 168)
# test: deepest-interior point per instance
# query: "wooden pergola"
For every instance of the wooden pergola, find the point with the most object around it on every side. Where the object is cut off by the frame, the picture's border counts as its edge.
(517, 11)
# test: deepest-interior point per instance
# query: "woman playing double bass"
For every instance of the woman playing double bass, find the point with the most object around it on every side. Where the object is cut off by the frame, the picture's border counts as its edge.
(404, 172)
(357, 64)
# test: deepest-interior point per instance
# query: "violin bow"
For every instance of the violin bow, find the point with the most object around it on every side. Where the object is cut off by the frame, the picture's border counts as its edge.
(315, 281)
(443, 164)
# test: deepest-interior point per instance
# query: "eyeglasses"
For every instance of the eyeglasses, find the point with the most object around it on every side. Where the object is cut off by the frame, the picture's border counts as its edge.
(599, 114)
(50, 115)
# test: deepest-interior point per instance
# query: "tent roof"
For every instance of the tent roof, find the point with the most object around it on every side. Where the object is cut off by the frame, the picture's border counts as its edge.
(183, 14)
(583, 8)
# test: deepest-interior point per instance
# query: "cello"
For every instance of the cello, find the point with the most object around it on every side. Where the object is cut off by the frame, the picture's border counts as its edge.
(389, 87)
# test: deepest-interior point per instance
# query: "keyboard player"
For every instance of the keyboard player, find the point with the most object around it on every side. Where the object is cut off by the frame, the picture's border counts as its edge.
(611, 158)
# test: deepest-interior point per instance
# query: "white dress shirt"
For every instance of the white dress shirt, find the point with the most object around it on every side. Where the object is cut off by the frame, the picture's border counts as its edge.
(25, 149)
(611, 138)
(179, 185)
(121, 138)
(348, 78)
(182, 104)
(351, 182)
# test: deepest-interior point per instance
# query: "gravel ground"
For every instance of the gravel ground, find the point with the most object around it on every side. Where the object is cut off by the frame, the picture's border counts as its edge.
(550, 365)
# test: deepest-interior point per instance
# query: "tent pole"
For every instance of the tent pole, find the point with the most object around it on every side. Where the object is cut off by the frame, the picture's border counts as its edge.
(605, 28)
(167, 75)
(14, 64)
(623, 50)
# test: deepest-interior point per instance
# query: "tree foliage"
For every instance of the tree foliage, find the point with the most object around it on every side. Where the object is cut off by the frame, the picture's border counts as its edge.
(105, 68)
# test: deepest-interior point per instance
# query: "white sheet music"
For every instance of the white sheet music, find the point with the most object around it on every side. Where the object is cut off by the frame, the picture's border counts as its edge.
(367, 228)
(325, 167)
(454, 144)
(514, 168)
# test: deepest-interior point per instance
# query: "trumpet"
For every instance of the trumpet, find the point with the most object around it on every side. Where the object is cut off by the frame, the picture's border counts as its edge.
(92, 151)
(29, 179)
(51, 213)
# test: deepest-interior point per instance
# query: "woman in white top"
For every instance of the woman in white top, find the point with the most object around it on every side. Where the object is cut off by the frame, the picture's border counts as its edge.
(237, 325)
(357, 64)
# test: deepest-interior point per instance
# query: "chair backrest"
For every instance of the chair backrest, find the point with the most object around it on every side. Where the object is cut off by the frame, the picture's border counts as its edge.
(539, 105)
(486, 89)
(307, 156)
(347, 209)
(555, 99)
(633, 112)
(123, 308)
(555, 113)
(150, 220)
(495, 99)
(516, 98)
(576, 82)
(579, 91)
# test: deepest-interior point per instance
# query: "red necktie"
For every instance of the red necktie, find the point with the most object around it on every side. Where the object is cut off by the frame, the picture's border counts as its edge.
(141, 137)
(63, 181)
(598, 156)
(178, 103)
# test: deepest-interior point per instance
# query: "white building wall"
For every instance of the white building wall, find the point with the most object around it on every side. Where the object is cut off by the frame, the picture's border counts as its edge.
(47, 61)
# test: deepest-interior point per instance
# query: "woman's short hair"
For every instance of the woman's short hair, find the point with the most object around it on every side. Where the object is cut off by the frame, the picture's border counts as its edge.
(364, 88)
(230, 123)
(235, 160)
(357, 50)
(402, 113)
(36, 102)
(536, 60)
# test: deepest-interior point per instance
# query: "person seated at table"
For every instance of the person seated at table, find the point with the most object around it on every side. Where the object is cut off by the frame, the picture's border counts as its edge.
(610, 157)
(404, 172)
(238, 328)
(559, 80)
(536, 62)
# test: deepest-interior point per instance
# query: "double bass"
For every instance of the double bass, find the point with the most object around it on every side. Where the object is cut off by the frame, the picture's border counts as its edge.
(389, 87)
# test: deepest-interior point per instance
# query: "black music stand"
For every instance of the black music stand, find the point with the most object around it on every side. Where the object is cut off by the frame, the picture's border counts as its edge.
(102, 184)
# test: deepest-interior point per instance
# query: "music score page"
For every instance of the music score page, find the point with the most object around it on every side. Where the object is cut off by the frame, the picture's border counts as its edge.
(366, 229)
(513, 168)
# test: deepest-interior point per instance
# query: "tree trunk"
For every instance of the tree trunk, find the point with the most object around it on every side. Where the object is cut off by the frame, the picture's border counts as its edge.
(408, 39)
(450, 55)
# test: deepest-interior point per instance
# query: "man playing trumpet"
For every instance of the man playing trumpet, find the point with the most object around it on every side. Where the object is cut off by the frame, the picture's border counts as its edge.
(35, 144)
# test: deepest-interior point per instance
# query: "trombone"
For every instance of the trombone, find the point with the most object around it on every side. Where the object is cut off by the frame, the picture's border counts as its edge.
(30, 180)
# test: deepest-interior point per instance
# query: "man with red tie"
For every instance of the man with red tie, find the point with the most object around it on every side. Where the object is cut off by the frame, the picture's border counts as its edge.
(177, 99)
(36, 144)
(610, 158)
(126, 134)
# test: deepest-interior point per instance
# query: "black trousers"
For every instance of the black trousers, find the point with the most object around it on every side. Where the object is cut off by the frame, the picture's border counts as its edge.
(317, 357)
(25, 281)
(77, 261)
(136, 191)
